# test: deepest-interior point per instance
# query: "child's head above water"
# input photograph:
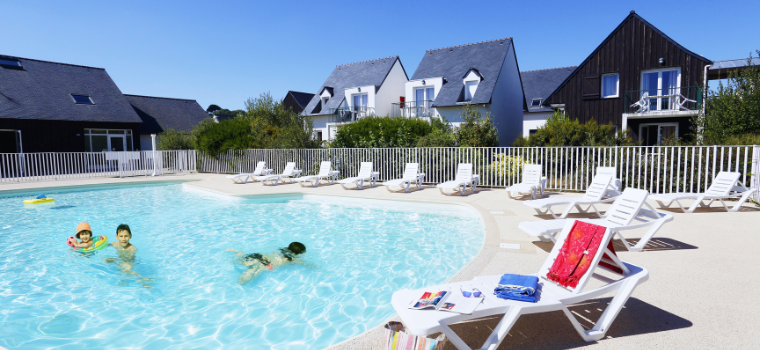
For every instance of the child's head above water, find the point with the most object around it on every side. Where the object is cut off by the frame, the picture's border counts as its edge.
(83, 229)
(297, 248)
(124, 227)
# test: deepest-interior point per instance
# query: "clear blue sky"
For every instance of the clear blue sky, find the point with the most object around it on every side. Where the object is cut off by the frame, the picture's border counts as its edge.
(224, 52)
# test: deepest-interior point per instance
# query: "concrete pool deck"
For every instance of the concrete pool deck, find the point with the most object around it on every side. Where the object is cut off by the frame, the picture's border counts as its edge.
(700, 294)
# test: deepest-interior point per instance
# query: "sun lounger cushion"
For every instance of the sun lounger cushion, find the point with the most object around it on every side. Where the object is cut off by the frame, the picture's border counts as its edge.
(577, 253)
(518, 287)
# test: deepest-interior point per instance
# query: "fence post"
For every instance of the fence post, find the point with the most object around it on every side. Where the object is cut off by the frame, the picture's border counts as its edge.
(755, 181)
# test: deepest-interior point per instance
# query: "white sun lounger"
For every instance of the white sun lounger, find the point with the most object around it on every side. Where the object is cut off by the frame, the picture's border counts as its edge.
(615, 188)
(463, 178)
(723, 187)
(620, 217)
(365, 174)
(594, 195)
(553, 298)
(411, 176)
(242, 178)
(325, 173)
(532, 182)
(290, 172)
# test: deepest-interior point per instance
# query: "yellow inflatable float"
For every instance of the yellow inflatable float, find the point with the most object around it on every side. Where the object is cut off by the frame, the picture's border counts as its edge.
(39, 200)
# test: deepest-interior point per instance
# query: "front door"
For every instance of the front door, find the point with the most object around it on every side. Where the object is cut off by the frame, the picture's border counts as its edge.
(116, 143)
(9, 141)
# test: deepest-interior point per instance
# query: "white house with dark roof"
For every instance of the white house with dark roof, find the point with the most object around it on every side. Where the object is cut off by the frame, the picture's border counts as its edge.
(537, 85)
(356, 90)
(484, 75)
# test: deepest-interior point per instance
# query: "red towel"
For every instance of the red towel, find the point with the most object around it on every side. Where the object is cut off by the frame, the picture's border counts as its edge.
(577, 253)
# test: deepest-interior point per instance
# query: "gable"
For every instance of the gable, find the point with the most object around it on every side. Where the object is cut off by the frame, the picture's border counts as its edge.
(632, 46)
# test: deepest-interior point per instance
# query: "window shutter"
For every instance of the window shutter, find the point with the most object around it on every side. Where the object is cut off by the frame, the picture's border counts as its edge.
(591, 87)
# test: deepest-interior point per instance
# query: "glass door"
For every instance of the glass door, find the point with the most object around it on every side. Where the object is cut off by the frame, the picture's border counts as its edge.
(662, 87)
(116, 143)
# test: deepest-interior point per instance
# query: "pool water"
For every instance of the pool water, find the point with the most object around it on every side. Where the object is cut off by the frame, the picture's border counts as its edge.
(358, 253)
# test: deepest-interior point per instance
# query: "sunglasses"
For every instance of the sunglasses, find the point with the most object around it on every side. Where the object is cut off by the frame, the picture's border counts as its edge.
(474, 293)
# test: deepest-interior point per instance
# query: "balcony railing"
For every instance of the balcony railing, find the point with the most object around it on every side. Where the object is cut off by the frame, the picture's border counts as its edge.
(351, 114)
(413, 109)
(661, 101)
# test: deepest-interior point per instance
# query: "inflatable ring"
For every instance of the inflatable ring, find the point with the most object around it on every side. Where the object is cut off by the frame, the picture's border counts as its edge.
(38, 201)
(98, 243)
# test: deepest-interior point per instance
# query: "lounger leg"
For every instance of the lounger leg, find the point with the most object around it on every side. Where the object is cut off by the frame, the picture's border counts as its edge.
(464, 188)
(502, 328)
(609, 314)
(407, 187)
(316, 182)
(693, 207)
(541, 212)
(662, 205)
(360, 183)
(743, 199)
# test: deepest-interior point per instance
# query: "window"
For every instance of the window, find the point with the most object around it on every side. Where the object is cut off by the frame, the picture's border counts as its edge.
(360, 102)
(82, 99)
(318, 136)
(10, 141)
(662, 86)
(610, 85)
(100, 140)
(9, 62)
(469, 89)
(532, 131)
(536, 102)
(424, 97)
(655, 134)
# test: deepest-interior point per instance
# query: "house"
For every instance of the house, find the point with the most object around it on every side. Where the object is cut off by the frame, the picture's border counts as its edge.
(484, 75)
(638, 78)
(537, 85)
(57, 107)
(297, 101)
(159, 114)
(353, 91)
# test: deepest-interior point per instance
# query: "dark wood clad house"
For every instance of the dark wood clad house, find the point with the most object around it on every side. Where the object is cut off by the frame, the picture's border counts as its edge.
(56, 107)
(297, 101)
(638, 79)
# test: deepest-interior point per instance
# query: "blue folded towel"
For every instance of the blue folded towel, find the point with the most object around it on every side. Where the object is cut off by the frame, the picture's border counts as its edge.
(41, 196)
(518, 287)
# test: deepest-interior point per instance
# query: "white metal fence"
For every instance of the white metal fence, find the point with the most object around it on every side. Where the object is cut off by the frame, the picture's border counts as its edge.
(658, 169)
(53, 165)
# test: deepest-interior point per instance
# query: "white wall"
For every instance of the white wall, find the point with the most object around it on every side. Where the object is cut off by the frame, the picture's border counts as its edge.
(393, 87)
(507, 100)
(454, 114)
(369, 90)
(436, 83)
(532, 121)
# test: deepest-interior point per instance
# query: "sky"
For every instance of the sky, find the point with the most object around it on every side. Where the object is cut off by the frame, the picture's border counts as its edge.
(225, 52)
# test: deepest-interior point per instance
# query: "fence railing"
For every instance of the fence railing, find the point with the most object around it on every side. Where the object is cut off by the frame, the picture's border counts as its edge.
(685, 98)
(413, 109)
(658, 169)
(54, 166)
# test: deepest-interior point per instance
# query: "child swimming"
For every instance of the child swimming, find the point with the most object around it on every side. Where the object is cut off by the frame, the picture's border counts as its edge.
(258, 263)
(126, 252)
(84, 233)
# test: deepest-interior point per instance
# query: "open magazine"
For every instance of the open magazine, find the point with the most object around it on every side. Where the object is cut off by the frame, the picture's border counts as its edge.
(446, 301)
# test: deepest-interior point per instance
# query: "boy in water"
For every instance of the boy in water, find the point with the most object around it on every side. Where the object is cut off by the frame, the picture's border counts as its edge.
(257, 263)
(84, 233)
(126, 252)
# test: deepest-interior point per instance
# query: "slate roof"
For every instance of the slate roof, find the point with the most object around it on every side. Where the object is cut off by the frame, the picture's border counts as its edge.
(452, 63)
(302, 98)
(351, 75)
(41, 90)
(160, 114)
(627, 18)
(540, 83)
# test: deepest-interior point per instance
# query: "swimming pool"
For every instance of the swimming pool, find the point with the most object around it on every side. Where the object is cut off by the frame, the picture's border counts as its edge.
(358, 253)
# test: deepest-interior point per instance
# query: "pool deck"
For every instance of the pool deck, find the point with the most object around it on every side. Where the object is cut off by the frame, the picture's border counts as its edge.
(701, 292)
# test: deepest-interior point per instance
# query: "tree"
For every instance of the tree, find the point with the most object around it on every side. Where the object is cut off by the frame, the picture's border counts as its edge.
(560, 130)
(174, 140)
(733, 110)
(212, 108)
(477, 130)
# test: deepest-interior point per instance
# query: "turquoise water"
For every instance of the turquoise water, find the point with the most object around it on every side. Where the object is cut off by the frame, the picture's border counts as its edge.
(358, 253)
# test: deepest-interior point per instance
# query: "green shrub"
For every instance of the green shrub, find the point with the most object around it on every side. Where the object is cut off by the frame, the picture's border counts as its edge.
(215, 139)
(174, 140)
(507, 166)
(560, 130)
(476, 130)
(377, 132)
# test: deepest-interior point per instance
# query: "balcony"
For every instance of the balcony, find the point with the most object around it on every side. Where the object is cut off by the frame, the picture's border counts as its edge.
(351, 114)
(413, 109)
(683, 101)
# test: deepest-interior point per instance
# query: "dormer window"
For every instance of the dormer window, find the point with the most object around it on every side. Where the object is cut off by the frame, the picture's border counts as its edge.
(325, 96)
(82, 99)
(471, 81)
(536, 102)
(324, 101)
(10, 63)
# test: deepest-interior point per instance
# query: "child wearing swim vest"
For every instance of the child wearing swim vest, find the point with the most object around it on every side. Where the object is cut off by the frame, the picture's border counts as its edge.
(84, 233)
(258, 263)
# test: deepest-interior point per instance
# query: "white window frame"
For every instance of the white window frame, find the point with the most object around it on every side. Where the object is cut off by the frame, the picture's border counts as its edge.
(353, 96)
(658, 101)
(659, 129)
(534, 100)
(617, 85)
(126, 132)
(467, 96)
